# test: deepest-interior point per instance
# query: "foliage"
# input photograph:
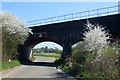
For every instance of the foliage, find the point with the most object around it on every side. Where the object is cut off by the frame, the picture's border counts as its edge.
(100, 56)
(7, 65)
(14, 32)
(12, 25)
(95, 57)
(105, 66)
(78, 56)
(84, 65)
(95, 38)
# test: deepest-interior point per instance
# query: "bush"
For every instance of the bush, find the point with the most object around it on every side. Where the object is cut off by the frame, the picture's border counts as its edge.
(14, 32)
(95, 57)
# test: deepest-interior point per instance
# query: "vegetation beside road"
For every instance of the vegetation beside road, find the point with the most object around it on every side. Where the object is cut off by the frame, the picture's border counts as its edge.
(97, 57)
(6, 65)
(14, 32)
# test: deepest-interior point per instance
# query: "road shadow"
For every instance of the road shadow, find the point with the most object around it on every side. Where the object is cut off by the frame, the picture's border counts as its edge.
(49, 64)
(63, 76)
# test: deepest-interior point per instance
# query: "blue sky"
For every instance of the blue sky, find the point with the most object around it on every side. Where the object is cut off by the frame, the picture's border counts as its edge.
(29, 11)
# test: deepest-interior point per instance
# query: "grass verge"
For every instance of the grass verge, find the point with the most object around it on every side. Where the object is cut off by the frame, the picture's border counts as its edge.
(7, 65)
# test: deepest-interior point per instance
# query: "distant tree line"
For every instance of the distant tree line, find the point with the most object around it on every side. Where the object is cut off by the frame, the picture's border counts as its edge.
(47, 50)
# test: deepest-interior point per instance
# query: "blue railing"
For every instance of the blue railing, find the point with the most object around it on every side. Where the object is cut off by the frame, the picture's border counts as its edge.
(76, 16)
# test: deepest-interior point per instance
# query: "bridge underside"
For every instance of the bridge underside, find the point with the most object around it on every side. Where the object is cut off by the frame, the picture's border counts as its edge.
(67, 34)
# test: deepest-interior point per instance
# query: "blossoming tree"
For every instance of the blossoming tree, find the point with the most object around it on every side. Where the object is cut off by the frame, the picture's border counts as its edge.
(13, 25)
(14, 32)
(101, 60)
(95, 38)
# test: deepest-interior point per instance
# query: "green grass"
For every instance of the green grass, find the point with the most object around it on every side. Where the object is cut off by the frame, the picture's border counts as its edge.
(7, 65)
(47, 55)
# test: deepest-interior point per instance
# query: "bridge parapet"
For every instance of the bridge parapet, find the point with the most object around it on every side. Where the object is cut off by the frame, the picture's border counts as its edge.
(76, 16)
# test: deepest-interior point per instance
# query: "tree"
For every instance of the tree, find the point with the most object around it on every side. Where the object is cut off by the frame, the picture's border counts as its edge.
(95, 38)
(14, 32)
(101, 57)
(13, 25)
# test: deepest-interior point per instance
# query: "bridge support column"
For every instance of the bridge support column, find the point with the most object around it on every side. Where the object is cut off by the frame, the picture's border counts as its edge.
(66, 50)
(28, 53)
(25, 54)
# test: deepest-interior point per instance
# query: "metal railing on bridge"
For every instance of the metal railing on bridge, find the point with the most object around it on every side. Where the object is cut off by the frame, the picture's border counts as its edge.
(76, 16)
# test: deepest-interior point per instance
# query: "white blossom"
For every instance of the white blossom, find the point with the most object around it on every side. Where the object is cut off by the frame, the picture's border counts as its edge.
(12, 24)
(95, 37)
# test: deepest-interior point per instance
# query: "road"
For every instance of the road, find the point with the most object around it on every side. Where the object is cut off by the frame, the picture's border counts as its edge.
(42, 68)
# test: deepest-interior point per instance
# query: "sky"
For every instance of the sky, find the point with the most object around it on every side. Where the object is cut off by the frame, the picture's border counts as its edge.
(29, 11)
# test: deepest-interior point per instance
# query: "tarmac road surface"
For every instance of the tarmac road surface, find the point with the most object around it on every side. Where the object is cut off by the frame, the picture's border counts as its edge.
(42, 68)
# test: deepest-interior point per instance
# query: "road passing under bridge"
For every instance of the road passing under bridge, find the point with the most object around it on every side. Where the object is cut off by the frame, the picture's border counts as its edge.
(43, 68)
